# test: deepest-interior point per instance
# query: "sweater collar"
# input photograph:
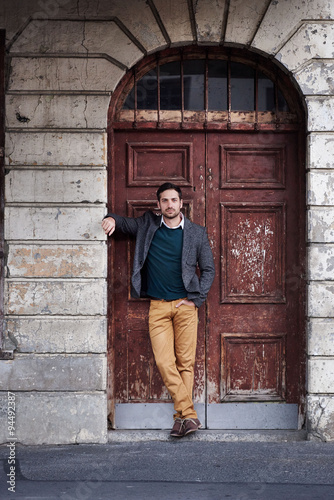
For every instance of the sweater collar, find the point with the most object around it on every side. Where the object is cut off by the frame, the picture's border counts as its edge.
(181, 225)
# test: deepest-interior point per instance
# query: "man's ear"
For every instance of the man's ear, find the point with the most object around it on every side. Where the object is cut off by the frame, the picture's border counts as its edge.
(181, 203)
(158, 204)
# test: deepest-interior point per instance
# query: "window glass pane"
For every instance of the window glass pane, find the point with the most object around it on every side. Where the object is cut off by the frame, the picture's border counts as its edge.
(130, 100)
(170, 86)
(282, 104)
(217, 85)
(242, 87)
(266, 93)
(147, 91)
(193, 81)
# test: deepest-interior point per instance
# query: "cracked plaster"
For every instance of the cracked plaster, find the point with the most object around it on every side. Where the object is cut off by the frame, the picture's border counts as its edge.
(73, 418)
(321, 418)
(56, 148)
(57, 260)
(58, 111)
(64, 298)
(61, 335)
(244, 17)
(311, 41)
(56, 186)
(78, 37)
(273, 33)
(73, 223)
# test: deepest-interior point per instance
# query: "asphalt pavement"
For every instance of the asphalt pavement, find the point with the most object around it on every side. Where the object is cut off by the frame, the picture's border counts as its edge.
(171, 470)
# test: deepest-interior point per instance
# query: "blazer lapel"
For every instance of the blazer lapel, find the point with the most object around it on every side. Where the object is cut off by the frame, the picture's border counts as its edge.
(149, 236)
(186, 241)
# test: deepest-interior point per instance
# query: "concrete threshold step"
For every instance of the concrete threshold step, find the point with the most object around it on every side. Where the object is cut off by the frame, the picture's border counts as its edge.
(270, 436)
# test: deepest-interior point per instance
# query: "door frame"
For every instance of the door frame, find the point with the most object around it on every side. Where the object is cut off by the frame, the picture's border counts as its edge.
(298, 125)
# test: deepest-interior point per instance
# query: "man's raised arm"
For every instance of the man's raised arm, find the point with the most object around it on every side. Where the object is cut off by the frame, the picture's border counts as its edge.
(126, 225)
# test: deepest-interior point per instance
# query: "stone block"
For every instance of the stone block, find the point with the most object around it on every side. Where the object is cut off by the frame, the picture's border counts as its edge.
(176, 19)
(56, 335)
(16, 14)
(320, 114)
(316, 78)
(64, 298)
(320, 416)
(107, 38)
(56, 186)
(321, 262)
(321, 225)
(63, 73)
(44, 36)
(40, 372)
(282, 19)
(321, 337)
(244, 17)
(321, 376)
(321, 151)
(321, 188)
(56, 148)
(57, 111)
(56, 418)
(84, 37)
(321, 299)
(312, 40)
(136, 15)
(209, 18)
(57, 261)
(54, 223)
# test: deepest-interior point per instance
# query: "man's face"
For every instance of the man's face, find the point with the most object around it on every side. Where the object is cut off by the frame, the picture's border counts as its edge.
(170, 204)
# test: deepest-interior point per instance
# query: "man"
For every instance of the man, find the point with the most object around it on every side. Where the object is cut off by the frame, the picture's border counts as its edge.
(168, 249)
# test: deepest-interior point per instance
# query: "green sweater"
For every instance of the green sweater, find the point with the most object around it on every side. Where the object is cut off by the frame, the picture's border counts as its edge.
(163, 265)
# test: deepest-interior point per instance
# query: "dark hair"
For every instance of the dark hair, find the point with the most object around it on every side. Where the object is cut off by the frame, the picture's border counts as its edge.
(169, 185)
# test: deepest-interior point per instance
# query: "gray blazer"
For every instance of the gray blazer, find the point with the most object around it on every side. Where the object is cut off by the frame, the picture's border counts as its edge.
(196, 251)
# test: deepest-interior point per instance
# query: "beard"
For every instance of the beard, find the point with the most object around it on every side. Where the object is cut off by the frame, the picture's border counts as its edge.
(171, 214)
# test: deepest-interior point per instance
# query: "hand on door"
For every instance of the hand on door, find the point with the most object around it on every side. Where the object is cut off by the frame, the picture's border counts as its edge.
(109, 225)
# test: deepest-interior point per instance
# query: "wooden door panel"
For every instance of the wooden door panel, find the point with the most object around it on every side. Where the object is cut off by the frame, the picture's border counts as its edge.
(151, 163)
(252, 166)
(253, 262)
(252, 367)
(139, 367)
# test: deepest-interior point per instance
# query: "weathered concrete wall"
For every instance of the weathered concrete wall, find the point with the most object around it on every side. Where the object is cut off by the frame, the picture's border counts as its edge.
(57, 417)
(56, 191)
(65, 59)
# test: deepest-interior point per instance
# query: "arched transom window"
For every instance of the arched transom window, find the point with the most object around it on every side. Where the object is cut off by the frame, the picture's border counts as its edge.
(206, 87)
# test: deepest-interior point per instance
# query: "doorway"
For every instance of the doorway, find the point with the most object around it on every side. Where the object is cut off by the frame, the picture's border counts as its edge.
(245, 184)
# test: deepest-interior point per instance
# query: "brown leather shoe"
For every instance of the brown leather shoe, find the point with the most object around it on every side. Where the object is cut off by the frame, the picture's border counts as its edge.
(191, 425)
(178, 428)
